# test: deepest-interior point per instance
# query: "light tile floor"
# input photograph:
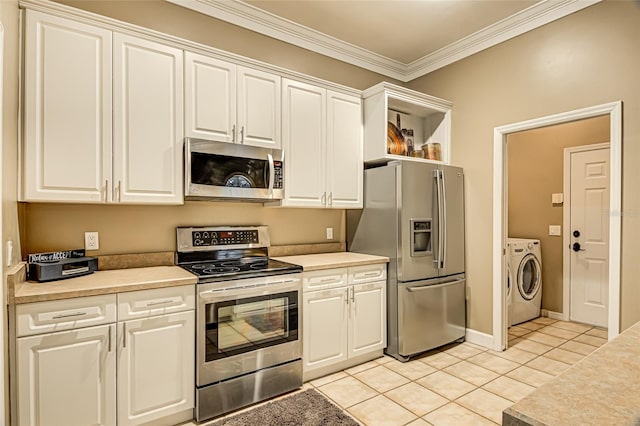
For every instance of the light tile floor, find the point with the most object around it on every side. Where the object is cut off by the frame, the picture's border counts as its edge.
(460, 384)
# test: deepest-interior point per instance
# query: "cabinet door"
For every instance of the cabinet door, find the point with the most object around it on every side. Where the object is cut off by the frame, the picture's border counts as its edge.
(67, 378)
(148, 121)
(344, 151)
(155, 367)
(210, 98)
(324, 319)
(368, 318)
(259, 103)
(67, 113)
(304, 126)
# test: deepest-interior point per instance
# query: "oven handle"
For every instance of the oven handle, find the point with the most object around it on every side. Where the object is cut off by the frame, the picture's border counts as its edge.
(226, 293)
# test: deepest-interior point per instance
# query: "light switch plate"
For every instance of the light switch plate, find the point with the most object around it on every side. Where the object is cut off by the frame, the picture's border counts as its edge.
(555, 230)
(557, 198)
(329, 233)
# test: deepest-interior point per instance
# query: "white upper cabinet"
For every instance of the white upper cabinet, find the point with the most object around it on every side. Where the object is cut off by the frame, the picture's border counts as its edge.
(103, 116)
(210, 98)
(147, 139)
(229, 103)
(344, 151)
(402, 124)
(259, 105)
(304, 142)
(322, 140)
(67, 113)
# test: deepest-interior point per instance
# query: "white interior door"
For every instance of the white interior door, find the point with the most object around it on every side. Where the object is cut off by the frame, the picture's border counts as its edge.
(589, 248)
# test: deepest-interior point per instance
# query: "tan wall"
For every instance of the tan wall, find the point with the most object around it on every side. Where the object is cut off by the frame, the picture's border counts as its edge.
(590, 57)
(144, 228)
(139, 229)
(9, 17)
(535, 167)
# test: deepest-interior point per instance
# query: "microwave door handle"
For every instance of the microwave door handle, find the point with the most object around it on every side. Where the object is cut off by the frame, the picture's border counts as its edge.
(272, 173)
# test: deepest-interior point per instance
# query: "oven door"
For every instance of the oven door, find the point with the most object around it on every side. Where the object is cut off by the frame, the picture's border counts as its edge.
(226, 170)
(254, 325)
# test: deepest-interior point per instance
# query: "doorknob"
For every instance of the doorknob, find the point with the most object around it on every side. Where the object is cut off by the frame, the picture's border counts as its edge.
(576, 247)
(576, 233)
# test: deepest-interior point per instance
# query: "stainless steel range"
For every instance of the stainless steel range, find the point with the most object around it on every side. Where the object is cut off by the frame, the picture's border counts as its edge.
(248, 324)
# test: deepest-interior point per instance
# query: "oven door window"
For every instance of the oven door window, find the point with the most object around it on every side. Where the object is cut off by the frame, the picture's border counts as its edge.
(238, 326)
(224, 170)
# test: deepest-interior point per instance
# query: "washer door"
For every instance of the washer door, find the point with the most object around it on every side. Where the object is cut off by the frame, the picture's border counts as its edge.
(529, 277)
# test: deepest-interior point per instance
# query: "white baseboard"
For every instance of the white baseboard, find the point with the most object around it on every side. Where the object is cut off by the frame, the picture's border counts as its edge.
(479, 338)
(554, 315)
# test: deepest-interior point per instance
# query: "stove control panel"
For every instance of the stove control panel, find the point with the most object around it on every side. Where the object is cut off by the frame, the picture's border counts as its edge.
(223, 238)
(208, 238)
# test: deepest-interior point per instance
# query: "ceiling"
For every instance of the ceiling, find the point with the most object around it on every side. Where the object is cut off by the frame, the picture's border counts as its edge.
(403, 39)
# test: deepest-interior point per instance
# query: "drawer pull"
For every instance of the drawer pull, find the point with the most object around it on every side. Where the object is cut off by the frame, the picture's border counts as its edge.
(328, 280)
(77, 314)
(163, 302)
(371, 274)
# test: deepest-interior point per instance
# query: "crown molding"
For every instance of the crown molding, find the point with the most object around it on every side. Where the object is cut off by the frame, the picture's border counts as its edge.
(526, 20)
(250, 17)
(247, 16)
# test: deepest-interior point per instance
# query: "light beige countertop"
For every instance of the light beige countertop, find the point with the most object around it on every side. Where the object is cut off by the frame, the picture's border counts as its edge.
(103, 282)
(602, 389)
(314, 262)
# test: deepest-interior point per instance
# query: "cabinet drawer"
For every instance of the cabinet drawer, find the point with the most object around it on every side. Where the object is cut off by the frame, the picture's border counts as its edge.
(146, 303)
(327, 278)
(58, 315)
(367, 273)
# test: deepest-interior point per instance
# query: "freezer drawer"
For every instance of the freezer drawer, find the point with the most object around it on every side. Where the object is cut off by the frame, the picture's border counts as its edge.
(430, 315)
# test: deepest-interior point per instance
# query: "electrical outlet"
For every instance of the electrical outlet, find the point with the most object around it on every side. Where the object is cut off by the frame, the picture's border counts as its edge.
(91, 241)
(329, 233)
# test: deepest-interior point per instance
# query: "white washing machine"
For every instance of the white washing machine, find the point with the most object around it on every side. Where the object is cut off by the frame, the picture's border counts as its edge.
(525, 259)
(509, 284)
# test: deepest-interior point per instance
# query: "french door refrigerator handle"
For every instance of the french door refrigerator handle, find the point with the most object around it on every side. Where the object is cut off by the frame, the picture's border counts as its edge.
(443, 220)
(440, 260)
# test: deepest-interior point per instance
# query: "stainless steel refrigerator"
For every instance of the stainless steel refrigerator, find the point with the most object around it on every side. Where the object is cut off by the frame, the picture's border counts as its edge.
(414, 214)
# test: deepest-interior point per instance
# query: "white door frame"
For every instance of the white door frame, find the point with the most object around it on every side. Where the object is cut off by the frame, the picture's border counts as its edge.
(566, 220)
(614, 111)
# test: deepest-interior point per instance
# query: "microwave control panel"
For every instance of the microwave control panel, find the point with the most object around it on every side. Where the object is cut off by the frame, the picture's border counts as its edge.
(277, 171)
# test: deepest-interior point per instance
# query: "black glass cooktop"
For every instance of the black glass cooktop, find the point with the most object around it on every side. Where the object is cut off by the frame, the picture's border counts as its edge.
(229, 269)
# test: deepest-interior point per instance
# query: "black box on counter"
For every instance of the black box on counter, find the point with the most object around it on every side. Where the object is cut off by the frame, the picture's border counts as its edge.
(59, 265)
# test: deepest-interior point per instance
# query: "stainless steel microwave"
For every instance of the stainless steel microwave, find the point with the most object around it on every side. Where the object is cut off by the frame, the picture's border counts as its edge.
(220, 170)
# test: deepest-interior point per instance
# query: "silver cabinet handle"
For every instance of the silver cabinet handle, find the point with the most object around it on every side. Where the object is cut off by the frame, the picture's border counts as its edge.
(328, 280)
(242, 135)
(106, 188)
(323, 199)
(75, 314)
(119, 191)
(371, 274)
(124, 335)
(330, 199)
(110, 332)
(233, 134)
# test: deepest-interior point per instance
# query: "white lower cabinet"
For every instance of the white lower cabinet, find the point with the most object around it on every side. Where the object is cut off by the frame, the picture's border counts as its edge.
(68, 378)
(345, 325)
(139, 370)
(155, 367)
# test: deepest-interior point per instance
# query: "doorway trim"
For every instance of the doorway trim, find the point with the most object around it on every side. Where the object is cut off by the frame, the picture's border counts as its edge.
(614, 111)
(566, 220)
